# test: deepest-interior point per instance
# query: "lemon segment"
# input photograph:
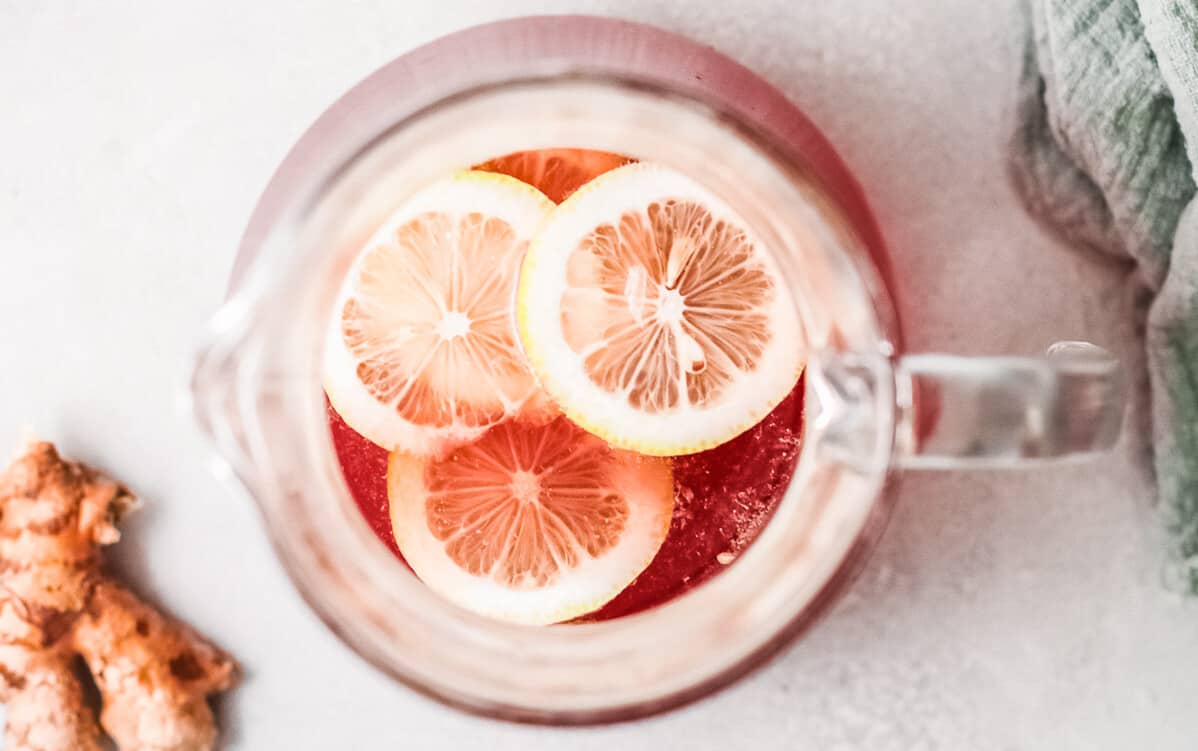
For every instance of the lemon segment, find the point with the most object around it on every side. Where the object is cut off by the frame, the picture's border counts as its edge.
(421, 352)
(531, 523)
(654, 317)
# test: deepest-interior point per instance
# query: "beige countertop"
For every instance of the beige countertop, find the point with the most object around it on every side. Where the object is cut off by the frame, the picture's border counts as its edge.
(1002, 610)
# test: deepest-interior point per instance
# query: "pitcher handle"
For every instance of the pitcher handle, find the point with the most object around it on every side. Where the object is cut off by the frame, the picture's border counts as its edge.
(1007, 411)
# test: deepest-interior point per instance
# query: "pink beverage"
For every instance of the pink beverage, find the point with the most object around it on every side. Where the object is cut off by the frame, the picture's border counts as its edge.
(716, 500)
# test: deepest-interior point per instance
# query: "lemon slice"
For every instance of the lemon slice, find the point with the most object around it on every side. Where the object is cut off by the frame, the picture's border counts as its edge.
(421, 352)
(654, 317)
(531, 523)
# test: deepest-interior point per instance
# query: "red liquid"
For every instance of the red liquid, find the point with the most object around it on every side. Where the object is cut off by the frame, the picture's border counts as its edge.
(723, 498)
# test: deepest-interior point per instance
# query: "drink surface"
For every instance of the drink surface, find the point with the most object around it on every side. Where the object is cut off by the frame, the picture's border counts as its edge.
(565, 386)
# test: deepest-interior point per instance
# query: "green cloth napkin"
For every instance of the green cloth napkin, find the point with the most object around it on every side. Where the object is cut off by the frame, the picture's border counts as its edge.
(1104, 150)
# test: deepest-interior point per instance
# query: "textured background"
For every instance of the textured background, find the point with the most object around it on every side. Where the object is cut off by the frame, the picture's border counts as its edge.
(1002, 611)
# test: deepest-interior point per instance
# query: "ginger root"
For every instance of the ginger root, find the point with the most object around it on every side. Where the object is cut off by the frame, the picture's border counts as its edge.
(57, 606)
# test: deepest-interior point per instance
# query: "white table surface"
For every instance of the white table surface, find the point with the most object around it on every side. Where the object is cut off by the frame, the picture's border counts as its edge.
(1002, 611)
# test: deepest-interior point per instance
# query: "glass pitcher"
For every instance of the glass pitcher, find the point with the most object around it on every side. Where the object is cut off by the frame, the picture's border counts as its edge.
(871, 409)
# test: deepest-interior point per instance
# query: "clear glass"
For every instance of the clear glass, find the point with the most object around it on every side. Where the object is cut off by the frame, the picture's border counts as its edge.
(870, 409)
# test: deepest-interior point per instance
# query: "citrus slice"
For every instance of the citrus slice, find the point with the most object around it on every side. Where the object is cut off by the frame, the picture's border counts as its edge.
(530, 523)
(555, 172)
(653, 316)
(421, 352)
